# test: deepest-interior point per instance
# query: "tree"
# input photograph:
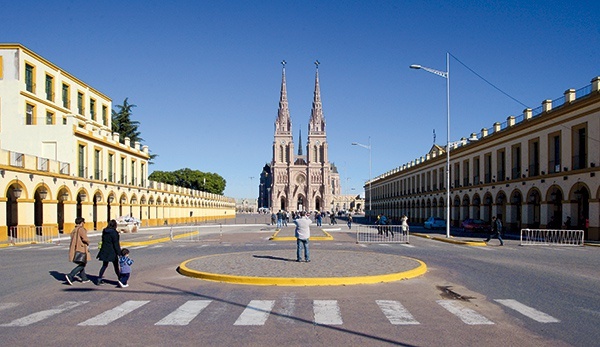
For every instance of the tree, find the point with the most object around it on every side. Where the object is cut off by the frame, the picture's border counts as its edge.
(193, 179)
(126, 127)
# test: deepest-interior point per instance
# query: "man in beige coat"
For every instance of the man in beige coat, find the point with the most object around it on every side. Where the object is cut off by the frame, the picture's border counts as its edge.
(79, 243)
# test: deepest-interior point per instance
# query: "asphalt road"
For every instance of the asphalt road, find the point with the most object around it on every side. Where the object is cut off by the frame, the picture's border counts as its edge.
(470, 296)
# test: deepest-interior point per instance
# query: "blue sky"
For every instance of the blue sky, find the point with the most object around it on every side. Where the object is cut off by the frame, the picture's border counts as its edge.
(205, 75)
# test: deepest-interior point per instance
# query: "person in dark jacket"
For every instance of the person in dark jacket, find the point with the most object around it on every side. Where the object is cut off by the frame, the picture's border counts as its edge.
(110, 250)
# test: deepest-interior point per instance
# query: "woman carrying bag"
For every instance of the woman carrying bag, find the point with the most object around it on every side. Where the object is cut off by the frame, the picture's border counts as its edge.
(78, 252)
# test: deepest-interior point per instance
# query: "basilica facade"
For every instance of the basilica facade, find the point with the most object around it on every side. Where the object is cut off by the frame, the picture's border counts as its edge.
(299, 181)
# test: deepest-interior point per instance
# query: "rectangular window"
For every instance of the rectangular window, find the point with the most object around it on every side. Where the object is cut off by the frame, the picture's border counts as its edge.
(456, 175)
(501, 162)
(81, 161)
(143, 175)
(476, 175)
(111, 158)
(97, 171)
(487, 166)
(133, 173)
(104, 115)
(554, 153)
(65, 96)
(466, 173)
(93, 109)
(29, 114)
(516, 162)
(80, 103)
(579, 139)
(49, 118)
(534, 157)
(29, 78)
(123, 176)
(49, 88)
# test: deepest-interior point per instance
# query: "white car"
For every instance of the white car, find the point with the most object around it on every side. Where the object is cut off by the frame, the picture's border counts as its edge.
(434, 223)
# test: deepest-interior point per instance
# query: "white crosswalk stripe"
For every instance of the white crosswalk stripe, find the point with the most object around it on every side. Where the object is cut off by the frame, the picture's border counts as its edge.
(41, 315)
(528, 311)
(111, 315)
(8, 305)
(185, 313)
(396, 313)
(256, 313)
(467, 315)
(327, 312)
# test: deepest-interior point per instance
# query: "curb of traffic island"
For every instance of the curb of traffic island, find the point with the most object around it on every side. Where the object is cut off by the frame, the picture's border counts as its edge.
(327, 237)
(155, 241)
(302, 281)
(451, 239)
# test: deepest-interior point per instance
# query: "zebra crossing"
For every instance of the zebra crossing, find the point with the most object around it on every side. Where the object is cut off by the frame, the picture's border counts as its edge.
(258, 312)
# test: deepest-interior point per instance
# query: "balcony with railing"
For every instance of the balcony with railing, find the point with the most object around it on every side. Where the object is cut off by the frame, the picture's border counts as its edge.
(553, 166)
(579, 162)
(534, 169)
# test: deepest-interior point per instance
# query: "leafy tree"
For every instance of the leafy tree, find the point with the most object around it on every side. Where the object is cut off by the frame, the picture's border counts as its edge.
(194, 179)
(126, 127)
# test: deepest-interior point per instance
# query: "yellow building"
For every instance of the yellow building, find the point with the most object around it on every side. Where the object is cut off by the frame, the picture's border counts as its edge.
(59, 159)
(533, 170)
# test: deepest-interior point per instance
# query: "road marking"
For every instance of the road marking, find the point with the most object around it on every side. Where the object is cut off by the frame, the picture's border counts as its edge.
(39, 316)
(256, 313)
(111, 315)
(527, 311)
(467, 315)
(407, 245)
(288, 307)
(396, 313)
(185, 313)
(327, 312)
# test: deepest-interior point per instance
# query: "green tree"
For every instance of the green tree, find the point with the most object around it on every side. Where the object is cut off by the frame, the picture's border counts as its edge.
(127, 127)
(193, 179)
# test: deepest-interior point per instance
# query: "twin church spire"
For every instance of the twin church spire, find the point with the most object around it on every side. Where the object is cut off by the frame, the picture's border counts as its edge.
(283, 124)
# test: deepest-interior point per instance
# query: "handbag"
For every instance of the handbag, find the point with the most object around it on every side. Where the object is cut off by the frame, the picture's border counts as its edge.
(80, 258)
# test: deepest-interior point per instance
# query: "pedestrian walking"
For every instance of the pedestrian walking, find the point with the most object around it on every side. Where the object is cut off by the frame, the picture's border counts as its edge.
(349, 221)
(79, 252)
(110, 250)
(496, 230)
(302, 234)
(125, 263)
(404, 224)
(319, 218)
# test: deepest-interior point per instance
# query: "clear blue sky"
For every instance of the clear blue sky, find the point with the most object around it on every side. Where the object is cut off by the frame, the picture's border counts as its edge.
(205, 75)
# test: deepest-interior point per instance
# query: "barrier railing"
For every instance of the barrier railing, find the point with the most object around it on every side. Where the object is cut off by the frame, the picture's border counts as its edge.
(551, 237)
(30, 234)
(381, 234)
(191, 233)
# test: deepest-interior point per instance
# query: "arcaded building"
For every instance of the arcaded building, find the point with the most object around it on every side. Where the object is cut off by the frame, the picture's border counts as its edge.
(301, 180)
(532, 170)
(60, 160)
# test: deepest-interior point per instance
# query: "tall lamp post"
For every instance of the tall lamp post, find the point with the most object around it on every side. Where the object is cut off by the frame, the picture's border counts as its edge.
(370, 193)
(446, 75)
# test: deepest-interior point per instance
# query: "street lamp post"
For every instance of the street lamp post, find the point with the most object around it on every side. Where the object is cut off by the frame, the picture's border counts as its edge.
(370, 193)
(446, 75)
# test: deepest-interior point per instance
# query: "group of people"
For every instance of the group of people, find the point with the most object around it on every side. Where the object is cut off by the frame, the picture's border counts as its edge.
(109, 252)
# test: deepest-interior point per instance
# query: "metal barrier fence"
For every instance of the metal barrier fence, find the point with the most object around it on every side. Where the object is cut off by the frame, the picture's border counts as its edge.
(381, 234)
(192, 233)
(551, 237)
(30, 234)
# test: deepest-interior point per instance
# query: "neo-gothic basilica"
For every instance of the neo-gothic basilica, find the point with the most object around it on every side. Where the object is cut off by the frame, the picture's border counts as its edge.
(293, 180)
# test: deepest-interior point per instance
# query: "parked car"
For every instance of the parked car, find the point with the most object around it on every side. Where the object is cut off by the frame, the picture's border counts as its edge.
(434, 223)
(476, 225)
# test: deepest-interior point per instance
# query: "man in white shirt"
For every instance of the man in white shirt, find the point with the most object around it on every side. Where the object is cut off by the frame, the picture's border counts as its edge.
(302, 234)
